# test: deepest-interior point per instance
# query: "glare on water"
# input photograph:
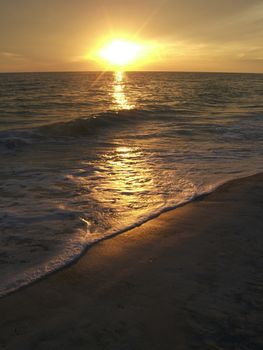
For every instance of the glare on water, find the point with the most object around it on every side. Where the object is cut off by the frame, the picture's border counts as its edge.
(119, 97)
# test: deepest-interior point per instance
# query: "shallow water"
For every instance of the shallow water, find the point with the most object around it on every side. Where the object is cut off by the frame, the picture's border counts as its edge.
(86, 155)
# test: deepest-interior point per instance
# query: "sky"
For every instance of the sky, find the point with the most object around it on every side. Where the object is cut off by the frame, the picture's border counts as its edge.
(185, 35)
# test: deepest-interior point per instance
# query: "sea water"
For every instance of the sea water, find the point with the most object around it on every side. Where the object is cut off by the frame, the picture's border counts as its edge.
(88, 155)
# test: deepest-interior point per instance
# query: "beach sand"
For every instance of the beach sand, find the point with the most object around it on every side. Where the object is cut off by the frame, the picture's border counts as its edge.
(189, 279)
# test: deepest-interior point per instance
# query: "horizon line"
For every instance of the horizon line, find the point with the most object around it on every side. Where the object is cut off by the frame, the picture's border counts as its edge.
(128, 71)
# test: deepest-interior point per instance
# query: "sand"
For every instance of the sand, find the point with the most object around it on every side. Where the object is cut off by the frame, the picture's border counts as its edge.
(189, 279)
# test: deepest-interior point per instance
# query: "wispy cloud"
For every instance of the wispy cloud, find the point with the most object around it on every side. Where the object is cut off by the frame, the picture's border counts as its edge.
(11, 55)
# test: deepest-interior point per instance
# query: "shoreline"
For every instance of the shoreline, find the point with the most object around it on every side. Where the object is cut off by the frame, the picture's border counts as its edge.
(190, 268)
(10, 290)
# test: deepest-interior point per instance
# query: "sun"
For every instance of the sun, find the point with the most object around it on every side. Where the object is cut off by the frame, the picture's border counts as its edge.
(120, 53)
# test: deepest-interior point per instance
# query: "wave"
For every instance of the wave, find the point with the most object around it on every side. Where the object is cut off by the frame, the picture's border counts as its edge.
(77, 246)
(93, 124)
(85, 239)
(106, 121)
(14, 141)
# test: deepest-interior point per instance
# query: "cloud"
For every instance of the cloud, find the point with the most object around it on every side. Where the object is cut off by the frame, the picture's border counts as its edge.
(11, 55)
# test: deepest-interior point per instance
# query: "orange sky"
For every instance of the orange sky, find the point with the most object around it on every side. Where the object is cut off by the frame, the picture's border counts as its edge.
(193, 35)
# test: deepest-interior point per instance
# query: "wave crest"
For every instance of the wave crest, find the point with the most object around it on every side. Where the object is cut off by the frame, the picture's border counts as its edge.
(92, 124)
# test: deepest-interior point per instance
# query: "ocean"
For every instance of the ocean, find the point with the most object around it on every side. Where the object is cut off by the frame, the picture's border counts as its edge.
(88, 155)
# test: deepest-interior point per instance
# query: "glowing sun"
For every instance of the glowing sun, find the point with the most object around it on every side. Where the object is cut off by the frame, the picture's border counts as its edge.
(120, 53)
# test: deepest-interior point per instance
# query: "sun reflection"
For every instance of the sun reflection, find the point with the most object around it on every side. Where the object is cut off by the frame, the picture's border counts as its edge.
(130, 178)
(118, 76)
(119, 96)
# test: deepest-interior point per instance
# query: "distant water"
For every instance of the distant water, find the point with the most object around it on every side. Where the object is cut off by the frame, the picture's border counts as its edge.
(86, 155)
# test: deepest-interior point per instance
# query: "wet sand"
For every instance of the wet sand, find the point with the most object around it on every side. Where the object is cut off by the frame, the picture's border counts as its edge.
(189, 279)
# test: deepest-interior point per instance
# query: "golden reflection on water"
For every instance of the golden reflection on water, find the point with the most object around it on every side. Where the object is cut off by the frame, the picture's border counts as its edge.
(129, 180)
(119, 97)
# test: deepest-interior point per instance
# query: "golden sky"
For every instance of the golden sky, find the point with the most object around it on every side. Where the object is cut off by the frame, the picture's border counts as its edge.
(190, 35)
